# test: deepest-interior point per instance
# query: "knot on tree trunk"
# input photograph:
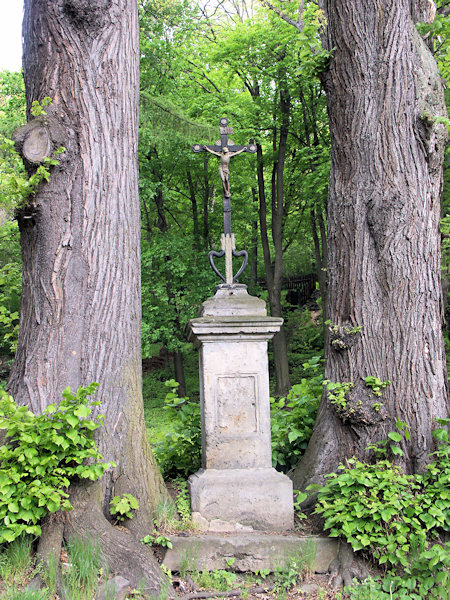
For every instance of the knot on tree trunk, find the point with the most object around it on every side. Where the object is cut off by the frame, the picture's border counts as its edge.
(342, 337)
(90, 15)
(356, 404)
(39, 139)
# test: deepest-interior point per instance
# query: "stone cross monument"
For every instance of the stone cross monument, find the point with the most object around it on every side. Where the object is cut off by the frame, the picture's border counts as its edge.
(237, 483)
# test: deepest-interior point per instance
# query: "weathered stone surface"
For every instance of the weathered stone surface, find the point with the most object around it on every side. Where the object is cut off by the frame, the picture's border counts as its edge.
(251, 551)
(116, 588)
(217, 525)
(259, 498)
(237, 483)
(234, 390)
(233, 301)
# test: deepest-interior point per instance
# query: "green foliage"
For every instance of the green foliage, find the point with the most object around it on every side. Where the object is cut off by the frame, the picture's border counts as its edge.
(178, 453)
(376, 385)
(122, 507)
(390, 448)
(219, 579)
(299, 497)
(435, 482)
(10, 290)
(16, 188)
(157, 539)
(373, 506)
(38, 108)
(25, 594)
(175, 281)
(392, 516)
(183, 500)
(293, 417)
(42, 454)
(337, 393)
(295, 568)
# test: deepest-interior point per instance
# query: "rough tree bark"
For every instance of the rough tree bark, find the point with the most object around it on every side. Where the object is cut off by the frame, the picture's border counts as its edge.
(80, 313)
(383, 92)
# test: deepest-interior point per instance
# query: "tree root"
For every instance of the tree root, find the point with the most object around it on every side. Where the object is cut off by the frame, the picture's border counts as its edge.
(346, 567)
(50, 542)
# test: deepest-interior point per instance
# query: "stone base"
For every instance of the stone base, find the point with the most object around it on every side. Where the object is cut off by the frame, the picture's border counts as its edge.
(251, 551)
(259, 498)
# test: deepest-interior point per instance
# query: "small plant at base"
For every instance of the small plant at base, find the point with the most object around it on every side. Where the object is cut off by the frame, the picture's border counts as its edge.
(157, 539)
(393, 517)
(167, 572)
(218, 579)
(263, 573)
(183, 501)
(299, 497)
(122, 507)
(288, 576)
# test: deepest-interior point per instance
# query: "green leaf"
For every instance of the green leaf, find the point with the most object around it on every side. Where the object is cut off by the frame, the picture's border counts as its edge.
(82, 411)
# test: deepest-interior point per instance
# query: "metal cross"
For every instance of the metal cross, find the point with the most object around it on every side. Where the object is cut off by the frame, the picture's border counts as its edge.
(226, 149)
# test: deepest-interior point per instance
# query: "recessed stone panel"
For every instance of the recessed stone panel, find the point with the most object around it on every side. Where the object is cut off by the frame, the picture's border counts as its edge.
(237, 404)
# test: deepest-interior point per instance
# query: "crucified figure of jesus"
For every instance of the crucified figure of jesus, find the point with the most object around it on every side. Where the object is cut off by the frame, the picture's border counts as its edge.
(224, 168)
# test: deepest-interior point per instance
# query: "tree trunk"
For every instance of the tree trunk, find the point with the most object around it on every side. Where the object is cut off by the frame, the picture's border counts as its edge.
(254, 246)
(194, 210)
(178, 365)
(206, 196)
(383, 92)
(320, 254)
(156, 169)
(80, 313)
(280, 352)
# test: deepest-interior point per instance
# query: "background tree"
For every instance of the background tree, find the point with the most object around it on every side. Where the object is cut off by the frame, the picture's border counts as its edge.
(384, 93)
(80, 309)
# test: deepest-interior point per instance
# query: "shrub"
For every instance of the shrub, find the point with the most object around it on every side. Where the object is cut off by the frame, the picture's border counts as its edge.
(293, 417)
(179, 452)
(41, 456)
(393, 517)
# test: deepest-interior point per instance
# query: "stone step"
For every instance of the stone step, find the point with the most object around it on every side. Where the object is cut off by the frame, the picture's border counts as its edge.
(250, 551)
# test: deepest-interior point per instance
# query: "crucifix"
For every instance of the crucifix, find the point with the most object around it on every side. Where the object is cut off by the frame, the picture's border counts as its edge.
(225, 149)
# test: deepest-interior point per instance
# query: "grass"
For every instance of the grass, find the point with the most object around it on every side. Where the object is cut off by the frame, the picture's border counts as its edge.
(79, 582)
(15, 560)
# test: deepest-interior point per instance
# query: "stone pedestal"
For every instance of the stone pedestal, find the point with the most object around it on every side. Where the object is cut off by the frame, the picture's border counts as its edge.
(237, 482)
